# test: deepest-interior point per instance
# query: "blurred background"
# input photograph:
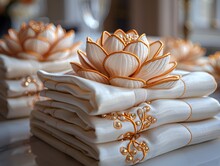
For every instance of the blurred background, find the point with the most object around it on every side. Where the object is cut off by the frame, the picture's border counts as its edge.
(197, 20)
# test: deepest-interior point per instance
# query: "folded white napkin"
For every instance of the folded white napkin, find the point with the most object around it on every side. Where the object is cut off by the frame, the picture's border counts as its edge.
(99, 129)
(20, 87)
(150, 144)
(16, 107)
(12, 131)
(95, 98)
(11, 68)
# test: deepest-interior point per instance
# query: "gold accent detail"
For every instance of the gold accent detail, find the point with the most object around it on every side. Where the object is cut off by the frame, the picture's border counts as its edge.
(184, 90)
(190, 113)
(30, 80)
(140, 121)
(190, 140)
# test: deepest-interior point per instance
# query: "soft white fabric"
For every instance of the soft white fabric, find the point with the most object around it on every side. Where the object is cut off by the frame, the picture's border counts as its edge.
(96, 129)
(16, 107)
(11, 68)
(16, 88)
(12, 131)
(95, 98)
(159, 140)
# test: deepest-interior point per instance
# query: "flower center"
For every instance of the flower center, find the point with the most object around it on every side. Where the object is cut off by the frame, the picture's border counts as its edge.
(37, 26)
(128, 38)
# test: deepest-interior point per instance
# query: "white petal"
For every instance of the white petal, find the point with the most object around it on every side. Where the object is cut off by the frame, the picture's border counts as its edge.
(113, 44)
(75, 66)
(156, 50)
(165, 83)
(64, 42)
(13, 34)
(127, 82)
(121, 64)
(26, 33)
(105, 35)
(5, 48)
(153, 68)
(169, 68)
(29, 55)
(120, 33)
(60, 32)
(13, 45)
(37, 45)
(48, 34)
(84, 60)
(93, 75)
(95, 55)
(58, 55)
(144, 39)
(138, 48)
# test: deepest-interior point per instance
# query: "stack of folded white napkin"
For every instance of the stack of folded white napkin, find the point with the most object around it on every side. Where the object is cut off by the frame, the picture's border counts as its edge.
(35, 46)
(124, 125)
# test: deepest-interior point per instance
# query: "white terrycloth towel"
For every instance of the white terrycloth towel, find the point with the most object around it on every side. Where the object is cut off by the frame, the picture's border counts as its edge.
(17, 107)
(99, 129)
(95, 98)
(17, 88)
(11, 68)
(159, 140)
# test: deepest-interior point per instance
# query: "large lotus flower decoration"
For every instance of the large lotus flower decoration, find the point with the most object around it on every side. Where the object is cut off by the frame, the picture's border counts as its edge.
(126, 60)
(183, 51)
(39, 41)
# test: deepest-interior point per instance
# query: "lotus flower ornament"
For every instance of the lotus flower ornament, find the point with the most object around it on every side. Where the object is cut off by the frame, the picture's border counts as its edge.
(184, 51)
(126, 60)
(214, 62)
(39, 41)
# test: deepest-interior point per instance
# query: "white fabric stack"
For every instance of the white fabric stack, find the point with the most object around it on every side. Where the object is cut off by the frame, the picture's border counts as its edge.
(124, 126)
(17, 94)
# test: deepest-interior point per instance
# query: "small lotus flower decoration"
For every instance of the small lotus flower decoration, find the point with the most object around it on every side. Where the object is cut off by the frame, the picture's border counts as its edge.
(183, 51)
(126, 59)
(214, 61)
(39, 41)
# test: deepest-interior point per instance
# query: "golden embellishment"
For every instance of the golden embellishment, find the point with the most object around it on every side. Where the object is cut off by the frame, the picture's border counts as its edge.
(30, 80)
(133, 148)
(37, 26)
(140, 121)
(128, 38)
(190, 140)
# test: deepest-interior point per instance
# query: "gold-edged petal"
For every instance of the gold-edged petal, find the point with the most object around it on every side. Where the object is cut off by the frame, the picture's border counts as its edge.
(84, 60)
(153, 68)
(113, 44)
(76, 66)
(127, 82)
(13, 34)
(144, 39)
(65, 42)
(169, 68)
(49, 34)
(120, 33)
(138, 48)
(165, 83)
(30, 55)
(13, 45)
(93, 75)
(59, 32)
(38, 45)
(26, 33)
(156, 49)
(104, 37)
(4, 48)
(96, 55)
(58, 55)
(121, 64)
(132, 32)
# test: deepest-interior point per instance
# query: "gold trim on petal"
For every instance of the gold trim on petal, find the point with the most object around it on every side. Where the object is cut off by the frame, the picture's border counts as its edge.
(102, 37)
(164, 80)
(160, 48)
